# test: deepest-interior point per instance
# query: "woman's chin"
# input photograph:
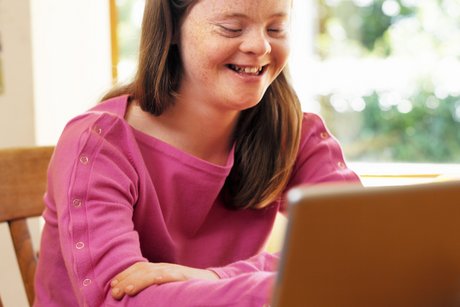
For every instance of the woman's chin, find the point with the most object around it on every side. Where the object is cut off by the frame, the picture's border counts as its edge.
(247, 103)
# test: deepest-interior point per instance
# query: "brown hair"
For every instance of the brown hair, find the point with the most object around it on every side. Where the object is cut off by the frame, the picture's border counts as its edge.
(266, 136)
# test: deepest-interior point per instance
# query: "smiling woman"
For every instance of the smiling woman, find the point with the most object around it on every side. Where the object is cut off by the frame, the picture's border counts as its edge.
(240, 69)
(148, 190)
(204, 76)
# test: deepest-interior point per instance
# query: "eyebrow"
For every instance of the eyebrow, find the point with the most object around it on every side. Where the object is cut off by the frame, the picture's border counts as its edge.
(241, 15)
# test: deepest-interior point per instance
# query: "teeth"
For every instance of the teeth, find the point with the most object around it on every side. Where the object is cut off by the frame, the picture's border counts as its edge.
(247, 70)
(251, 70)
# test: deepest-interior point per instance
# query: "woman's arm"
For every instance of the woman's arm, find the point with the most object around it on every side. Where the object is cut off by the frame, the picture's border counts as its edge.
(244, 290)
(143, 274)
(93, 186)
(320, 160)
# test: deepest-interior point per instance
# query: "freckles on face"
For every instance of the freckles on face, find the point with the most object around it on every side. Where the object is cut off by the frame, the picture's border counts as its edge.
(203, 30)
(233, 50)
(197, 48)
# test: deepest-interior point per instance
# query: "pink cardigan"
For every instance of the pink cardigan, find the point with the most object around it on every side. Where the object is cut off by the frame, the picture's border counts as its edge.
(117, 196)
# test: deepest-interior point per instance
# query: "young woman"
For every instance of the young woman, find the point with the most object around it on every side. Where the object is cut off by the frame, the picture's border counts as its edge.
(165, 193)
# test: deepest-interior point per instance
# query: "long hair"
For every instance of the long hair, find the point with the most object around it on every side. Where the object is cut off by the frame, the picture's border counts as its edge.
(266, 136)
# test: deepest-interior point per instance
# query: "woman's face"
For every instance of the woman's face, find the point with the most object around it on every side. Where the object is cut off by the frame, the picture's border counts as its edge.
(231, 51)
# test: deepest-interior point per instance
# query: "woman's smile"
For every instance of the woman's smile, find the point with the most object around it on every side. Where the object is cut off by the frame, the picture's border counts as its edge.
(231, 53)
(247, 70)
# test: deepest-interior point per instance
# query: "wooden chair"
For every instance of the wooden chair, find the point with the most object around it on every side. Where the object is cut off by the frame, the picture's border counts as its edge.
(22, 186)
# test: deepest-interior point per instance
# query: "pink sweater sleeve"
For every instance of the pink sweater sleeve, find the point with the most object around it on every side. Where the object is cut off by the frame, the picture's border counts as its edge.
(320, 160)
(263, 262)
(245, 290)
(93, 189)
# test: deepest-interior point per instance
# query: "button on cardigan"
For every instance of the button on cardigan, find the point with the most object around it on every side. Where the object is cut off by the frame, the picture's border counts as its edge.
(117, 196)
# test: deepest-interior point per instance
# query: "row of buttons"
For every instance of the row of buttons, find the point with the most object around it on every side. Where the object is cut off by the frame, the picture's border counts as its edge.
(77, 203)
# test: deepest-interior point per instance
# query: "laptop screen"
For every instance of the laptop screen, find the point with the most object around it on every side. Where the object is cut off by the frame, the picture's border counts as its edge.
(385, 246)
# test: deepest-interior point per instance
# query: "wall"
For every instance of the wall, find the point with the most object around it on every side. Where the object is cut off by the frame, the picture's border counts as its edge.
(72, 63)
(16, 119)
(16, 102)
(56, 63)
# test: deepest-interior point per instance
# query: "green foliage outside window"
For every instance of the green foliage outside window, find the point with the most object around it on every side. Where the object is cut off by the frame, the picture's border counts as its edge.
(419, 124)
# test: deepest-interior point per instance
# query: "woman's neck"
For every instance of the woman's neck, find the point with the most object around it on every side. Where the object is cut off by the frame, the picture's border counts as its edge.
(204, 133)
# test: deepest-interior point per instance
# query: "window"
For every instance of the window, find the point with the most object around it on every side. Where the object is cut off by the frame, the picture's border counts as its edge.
(128, 25)
(387, 74)
(382, 73)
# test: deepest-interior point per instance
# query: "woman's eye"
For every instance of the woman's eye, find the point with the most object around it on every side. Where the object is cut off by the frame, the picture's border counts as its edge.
(231, 30)
(276, 31)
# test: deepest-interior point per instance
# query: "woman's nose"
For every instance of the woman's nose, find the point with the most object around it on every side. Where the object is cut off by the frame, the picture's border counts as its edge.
(257, 43)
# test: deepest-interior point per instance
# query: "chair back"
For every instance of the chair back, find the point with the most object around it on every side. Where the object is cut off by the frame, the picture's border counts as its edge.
(22, 186)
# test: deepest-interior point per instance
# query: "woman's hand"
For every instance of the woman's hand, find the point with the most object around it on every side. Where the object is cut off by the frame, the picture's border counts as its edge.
(143, 274)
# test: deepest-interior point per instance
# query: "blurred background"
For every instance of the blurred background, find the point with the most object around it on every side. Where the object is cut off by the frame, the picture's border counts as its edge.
(384, 74)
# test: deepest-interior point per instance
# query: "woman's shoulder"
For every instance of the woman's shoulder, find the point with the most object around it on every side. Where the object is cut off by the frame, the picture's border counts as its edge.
(320, 157)
(102, 116)
(103, 125)
(114, 107)
(314, 128)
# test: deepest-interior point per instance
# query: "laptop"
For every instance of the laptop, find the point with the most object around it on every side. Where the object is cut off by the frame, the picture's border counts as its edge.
(375, 246)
